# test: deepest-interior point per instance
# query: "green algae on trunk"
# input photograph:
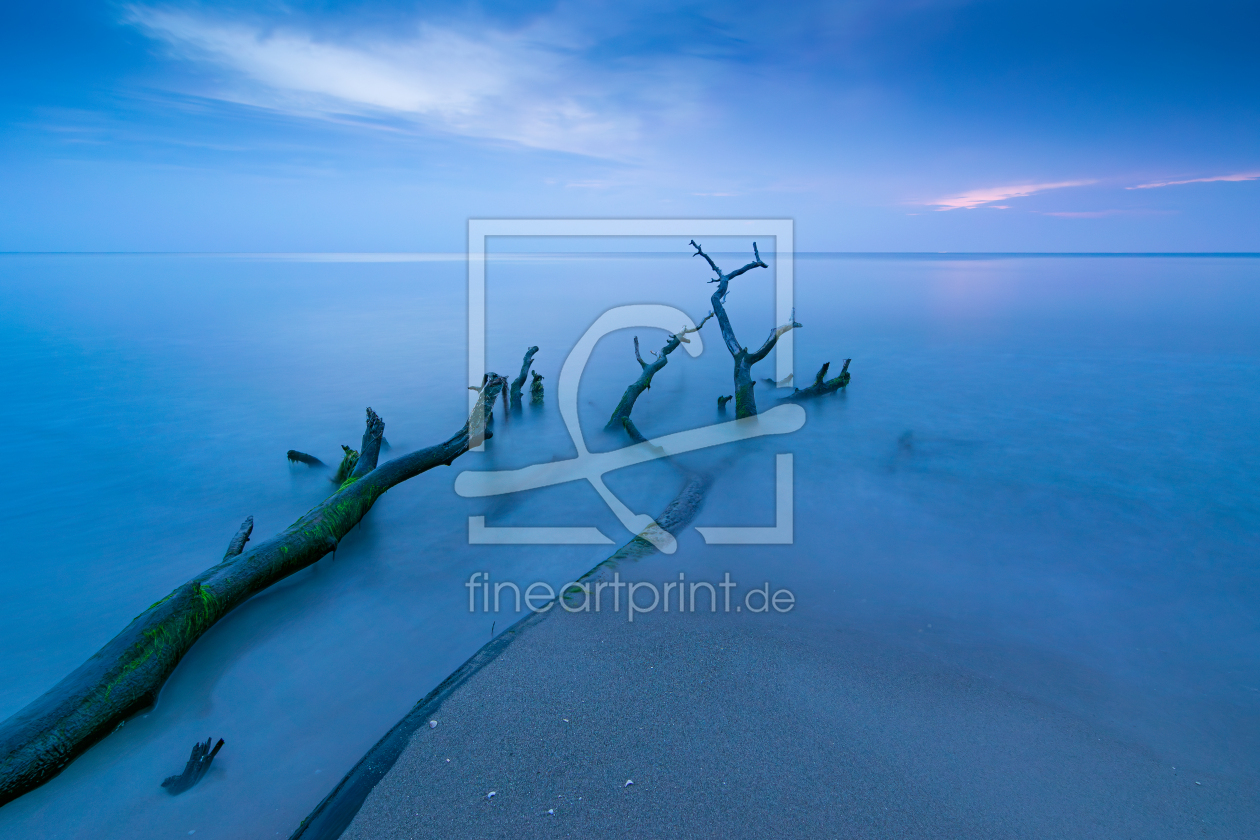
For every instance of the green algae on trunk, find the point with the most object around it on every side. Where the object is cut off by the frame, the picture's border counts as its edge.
(125, 675)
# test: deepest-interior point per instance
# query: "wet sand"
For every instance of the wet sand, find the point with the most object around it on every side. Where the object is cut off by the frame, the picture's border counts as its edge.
(741, 726)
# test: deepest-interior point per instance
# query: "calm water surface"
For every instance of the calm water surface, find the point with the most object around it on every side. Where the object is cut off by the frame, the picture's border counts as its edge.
(1044, 471)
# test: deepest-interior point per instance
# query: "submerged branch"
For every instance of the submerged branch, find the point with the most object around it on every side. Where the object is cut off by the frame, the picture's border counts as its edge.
(519, 382)
(296, 457)
(822, 385)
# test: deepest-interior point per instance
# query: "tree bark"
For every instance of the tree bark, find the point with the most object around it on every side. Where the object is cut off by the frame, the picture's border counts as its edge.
(745, 402)
(519, 382)
(822, 385)
(126, 675)
(623, 409)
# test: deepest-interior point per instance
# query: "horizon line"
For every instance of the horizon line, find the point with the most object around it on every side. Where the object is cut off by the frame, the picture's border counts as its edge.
(461, 254)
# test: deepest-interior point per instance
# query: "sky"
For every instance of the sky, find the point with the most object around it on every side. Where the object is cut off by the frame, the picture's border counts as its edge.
(877, 125)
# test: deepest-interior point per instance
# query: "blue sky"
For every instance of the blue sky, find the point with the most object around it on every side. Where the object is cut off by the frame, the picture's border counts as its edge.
(902, 125)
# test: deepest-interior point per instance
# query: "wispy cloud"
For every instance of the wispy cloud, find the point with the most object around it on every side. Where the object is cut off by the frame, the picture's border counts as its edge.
(989, 195)
(529, 88)
(1241, 176)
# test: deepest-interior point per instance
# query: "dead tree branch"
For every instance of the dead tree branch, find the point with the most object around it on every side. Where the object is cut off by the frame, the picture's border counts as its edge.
(198, 765)
(822, 385)
(348, 462)
(237, 545)
(126, 674)
(745, 403)
(519, 382)
(623, 409)
(302, 458)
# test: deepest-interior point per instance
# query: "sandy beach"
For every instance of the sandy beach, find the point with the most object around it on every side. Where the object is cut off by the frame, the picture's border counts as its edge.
(721, 725)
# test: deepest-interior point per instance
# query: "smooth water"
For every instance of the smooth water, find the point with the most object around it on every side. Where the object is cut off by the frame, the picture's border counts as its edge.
(1044, 471)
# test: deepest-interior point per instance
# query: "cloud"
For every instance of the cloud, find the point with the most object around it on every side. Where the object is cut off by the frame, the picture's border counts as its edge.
(530, 88)
(978, 198)
(1241, 176)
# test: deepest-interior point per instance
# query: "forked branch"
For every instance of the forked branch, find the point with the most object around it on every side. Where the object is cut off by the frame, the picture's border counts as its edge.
(622, 412)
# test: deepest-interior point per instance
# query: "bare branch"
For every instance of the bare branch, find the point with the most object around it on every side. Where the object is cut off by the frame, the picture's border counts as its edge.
(757, 263)
(682, 335)
(622, 412)
(519, 382)
(775, 335)
(700, 252)
(745, 403)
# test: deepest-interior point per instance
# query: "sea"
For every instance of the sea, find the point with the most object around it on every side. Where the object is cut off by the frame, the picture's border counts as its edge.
(1045, 472)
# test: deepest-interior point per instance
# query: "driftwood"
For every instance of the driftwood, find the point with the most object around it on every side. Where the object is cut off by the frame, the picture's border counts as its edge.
(348, 462)
(722, 401)
(237, 545)
(536, 390)
(519, 382)
(197, 766)
(125, 675)
(745, 403)
(822, 385)
(623, 409)
(302, 458)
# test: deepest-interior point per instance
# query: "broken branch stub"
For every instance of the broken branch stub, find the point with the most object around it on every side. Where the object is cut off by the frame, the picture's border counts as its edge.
(197, 766)
(237, 545)
(348, 462)
(519, 382)
(296, 457)
(370, 449)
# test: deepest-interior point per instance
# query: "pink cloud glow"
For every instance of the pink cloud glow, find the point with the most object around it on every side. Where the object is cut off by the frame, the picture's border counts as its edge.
(1241, 176)
(978, 198)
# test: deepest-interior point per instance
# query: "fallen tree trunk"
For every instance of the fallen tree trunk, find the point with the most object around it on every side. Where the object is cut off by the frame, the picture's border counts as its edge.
(126, 675)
